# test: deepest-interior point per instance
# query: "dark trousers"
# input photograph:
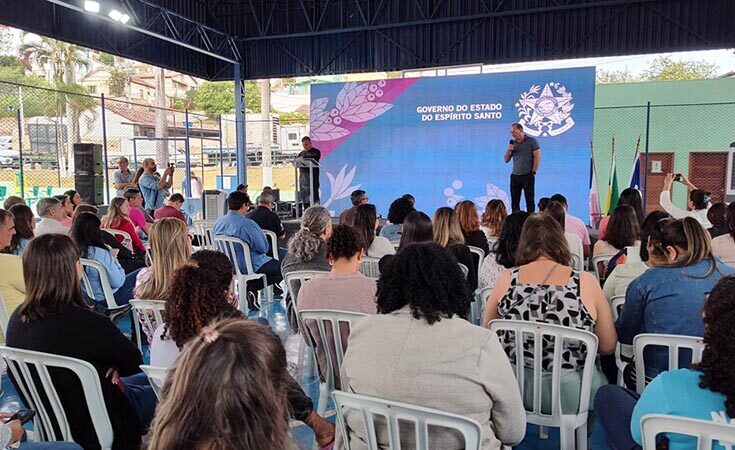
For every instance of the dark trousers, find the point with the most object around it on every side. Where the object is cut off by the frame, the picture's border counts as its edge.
(272, 272)
(299, 403)
(525, 183)
(614, 408)
(140, 394)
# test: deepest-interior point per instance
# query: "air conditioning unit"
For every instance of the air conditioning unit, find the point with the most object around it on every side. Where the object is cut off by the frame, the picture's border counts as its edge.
(730, 191)
(214, 204)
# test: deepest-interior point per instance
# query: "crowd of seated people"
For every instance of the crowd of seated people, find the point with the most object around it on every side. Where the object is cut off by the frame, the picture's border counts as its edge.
(670, 271)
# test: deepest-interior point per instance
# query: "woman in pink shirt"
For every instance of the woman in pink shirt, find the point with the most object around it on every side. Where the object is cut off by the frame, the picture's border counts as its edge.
(68, 209)
(118, 218)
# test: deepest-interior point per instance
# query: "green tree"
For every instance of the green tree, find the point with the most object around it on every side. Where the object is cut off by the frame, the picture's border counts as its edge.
(35, 101)
(616, 76)
(118, 81)
(286, 118)
(665, 68)
(216, 98)
(106, 58)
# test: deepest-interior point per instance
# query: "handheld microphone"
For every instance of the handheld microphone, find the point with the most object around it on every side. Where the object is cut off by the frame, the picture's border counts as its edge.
(512, 141)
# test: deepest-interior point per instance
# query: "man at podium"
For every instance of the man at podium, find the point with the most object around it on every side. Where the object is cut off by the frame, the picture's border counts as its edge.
(305, 188)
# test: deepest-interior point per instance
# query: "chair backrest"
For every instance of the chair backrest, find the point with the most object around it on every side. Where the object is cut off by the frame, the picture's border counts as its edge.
(3, 317)
(332, 346)
(480, 257)
(599, 263)
(398, 415)
(104, 281)
(616, 303)
(465, 270)
(705, 431)
(203, 231)
(302, 276)
(229, 245)
(273, 241)
(369, 267)
(150, 312)
(559, 334)
(576, 262)
(477, 307)
(156, 376)
(127, 241)
(50, 423)
(674, 344)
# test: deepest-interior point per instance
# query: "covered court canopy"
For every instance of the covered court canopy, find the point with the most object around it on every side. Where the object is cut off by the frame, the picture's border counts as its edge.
(282, 38)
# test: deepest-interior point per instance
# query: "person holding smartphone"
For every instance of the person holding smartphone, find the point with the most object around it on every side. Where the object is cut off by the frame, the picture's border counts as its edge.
(526, 155)
(11, 432)
(698, 202)
(155, 187)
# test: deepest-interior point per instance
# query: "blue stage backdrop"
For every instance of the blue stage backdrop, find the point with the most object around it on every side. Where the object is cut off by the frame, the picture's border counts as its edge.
(442, 139)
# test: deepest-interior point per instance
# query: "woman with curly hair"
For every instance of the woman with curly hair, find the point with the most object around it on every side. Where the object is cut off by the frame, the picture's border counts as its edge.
(397, 213)
(492, 219)
(703, 392)
(201, 292)
(306, 249)
(420, 339)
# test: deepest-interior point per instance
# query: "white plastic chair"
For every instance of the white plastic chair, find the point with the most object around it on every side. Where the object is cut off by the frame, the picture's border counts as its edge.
(369, 267)
(477, 307)
(228, 245)
(203, 232)
(465, 270)
(481, 257)
(3, 317)
(127, 241)
(143, 310)
(273, 241)
(576, 262)
(26, 365)
(617, 303)
(104, 281)
(600, 271)
(673, 342)
(331, 345)
(705, 431)
(397, 415)
(156, 376)
(570, 425)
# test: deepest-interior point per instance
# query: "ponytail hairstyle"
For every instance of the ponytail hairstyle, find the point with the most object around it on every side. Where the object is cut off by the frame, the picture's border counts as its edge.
(687, 236)
(718, 359)
(700, 198)
(305, 244)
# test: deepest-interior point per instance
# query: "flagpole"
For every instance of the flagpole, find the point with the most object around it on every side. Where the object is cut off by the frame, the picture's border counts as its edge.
(596, 213)
(608, 197)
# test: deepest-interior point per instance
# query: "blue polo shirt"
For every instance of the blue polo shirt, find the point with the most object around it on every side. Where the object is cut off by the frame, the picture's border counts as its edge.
(236, 225)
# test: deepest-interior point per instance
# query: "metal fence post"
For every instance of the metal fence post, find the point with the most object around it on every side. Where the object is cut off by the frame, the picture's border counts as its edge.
(187, 156)
(221, 157)
(20, 151)
(240, 117)
(104, 148)
(645, 171)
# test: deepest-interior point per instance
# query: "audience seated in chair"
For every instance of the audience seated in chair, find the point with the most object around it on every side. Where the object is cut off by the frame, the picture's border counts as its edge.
(12, 285)
(668, 298)
(12, 432)
(228, 390)
(118, 218)
(717, 216)
(469, 223)
(723, 246)
(51, 213)
(622, 231)
(87, 236)
(706, 392)
(559, 213)
(307, 248)
(68, 209)
(128, 260)
(543, 288)
(137, 213)
(503, 256)
(417, 227)
(396, 215)
(25, 223)
(419, 349)
(631, 197)
(171, 208)
(236, 224)
(366, 224)
(170, 249)
(628, 267)
(13, 200)
(357, 197)
(448, 234)
(75, 198)
(492, 219)
(268, 220)
(574, 224)
(55, 319)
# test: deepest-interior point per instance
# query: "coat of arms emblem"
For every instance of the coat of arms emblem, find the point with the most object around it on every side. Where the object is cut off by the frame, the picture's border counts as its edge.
(547, 111)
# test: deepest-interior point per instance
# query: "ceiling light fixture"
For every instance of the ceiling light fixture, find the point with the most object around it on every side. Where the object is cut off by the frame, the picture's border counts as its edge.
(115, 15)
(91, 6)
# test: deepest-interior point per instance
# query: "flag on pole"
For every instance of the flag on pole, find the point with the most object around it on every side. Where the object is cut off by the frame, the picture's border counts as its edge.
(613, 193)
(595, 213)
(635, 176)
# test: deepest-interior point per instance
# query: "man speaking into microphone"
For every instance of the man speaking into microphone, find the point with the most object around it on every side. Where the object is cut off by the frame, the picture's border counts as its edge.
(526, 155)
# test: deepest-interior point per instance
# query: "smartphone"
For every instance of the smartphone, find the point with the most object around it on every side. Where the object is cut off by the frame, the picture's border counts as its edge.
(677, 177)
(24, 415)
(171, 165)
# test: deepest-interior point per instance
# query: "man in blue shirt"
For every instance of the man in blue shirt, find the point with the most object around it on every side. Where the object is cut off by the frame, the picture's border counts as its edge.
(153, 186)
(236, 224)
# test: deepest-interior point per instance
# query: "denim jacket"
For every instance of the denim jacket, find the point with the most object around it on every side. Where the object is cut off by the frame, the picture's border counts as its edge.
(667, 300)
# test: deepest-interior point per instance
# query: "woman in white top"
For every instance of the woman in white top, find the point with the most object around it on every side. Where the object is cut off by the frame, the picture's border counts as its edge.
(557, 211)
(723, 246)
(492, 220)
(697, 205)
(366, 224)
(503, 257)
(622, 231)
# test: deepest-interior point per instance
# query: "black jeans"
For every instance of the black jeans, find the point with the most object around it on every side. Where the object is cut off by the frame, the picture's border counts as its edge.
(299, 404)
(272, 272)
(525, 183)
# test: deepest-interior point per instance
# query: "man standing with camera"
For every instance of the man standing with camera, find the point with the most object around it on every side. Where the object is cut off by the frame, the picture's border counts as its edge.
(526, 155)
(154, 186)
